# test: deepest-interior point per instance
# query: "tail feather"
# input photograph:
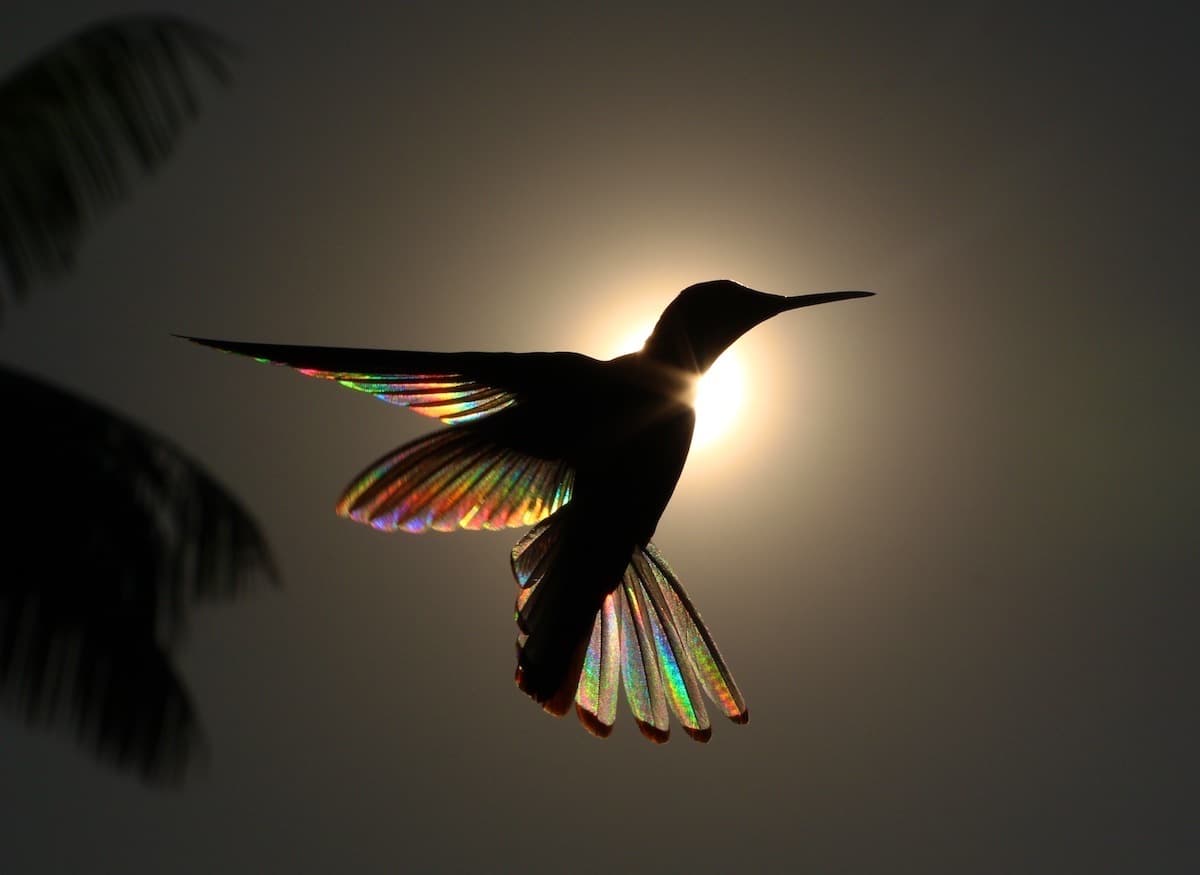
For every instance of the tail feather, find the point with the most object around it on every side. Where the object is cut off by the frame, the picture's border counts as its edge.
(644, 635)
(640, 670)
(711, 671)
(596, 695)
(680, 687)
(562, 588)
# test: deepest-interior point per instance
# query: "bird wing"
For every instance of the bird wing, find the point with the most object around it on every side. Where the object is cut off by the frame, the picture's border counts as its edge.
(457, 478)
(455, 387)
(476, 476)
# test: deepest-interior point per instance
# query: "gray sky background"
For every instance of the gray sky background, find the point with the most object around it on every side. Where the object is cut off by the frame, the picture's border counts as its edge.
(951, 557)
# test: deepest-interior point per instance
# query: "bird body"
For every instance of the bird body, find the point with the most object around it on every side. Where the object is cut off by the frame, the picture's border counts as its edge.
(588, 452)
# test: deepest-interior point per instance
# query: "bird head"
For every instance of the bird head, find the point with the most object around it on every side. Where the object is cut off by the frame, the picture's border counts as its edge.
(705, 319)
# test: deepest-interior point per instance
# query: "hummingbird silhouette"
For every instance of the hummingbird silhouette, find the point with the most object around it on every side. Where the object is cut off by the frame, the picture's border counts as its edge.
(588, 453)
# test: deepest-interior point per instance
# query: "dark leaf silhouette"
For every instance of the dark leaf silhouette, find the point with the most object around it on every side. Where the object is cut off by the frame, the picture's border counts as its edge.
(112, 534)
(78, 121)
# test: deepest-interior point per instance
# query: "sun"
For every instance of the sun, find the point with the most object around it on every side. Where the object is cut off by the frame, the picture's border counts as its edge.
(720, 392)
(720, 396)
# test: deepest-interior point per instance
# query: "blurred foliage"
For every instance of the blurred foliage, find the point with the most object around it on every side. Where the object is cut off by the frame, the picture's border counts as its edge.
(116, 532)
(84, 118)
(112, 531)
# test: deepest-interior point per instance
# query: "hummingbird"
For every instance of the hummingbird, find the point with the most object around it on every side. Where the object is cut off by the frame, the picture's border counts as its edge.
(587, 453)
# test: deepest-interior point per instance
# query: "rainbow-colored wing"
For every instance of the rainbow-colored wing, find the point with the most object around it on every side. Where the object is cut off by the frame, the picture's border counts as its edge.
(453, 387)
(482, 475)
(452, 398)
(456, 479)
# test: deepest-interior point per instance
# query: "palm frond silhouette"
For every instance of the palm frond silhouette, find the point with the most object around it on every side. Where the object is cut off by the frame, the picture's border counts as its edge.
(119, 532)
(82, 120)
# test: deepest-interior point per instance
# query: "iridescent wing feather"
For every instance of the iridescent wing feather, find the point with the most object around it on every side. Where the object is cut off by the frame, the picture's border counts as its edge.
(462, 478)
(456, 479)
(453, 387)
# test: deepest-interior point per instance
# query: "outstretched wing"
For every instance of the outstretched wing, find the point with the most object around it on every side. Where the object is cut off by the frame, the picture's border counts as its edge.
(455, 387)
(457, 478)
(470, 477)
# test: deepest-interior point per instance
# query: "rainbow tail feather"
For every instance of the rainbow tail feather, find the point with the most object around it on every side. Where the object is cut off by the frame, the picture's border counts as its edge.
(647, 636)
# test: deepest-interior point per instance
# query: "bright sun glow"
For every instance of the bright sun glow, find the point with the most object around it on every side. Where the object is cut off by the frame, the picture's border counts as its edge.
(719, 395)
(719, 399)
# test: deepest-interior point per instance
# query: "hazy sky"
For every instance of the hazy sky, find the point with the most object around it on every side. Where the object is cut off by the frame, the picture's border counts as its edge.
(950, 555)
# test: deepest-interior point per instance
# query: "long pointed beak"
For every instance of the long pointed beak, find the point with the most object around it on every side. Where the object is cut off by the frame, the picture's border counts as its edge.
(797, 301)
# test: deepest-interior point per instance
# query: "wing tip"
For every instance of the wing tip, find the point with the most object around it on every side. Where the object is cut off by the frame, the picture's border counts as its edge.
(701, 735)
(231, 346)
(201, 341)
(741, 718)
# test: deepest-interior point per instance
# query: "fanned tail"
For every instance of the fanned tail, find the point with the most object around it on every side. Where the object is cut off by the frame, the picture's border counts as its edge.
(646, 636)
(565, 570)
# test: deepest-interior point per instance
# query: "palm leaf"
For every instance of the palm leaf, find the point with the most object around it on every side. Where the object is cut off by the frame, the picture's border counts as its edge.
(111, 535)
(82, 118)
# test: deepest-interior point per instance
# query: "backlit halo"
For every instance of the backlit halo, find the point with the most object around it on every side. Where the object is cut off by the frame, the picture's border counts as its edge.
(720, 392)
